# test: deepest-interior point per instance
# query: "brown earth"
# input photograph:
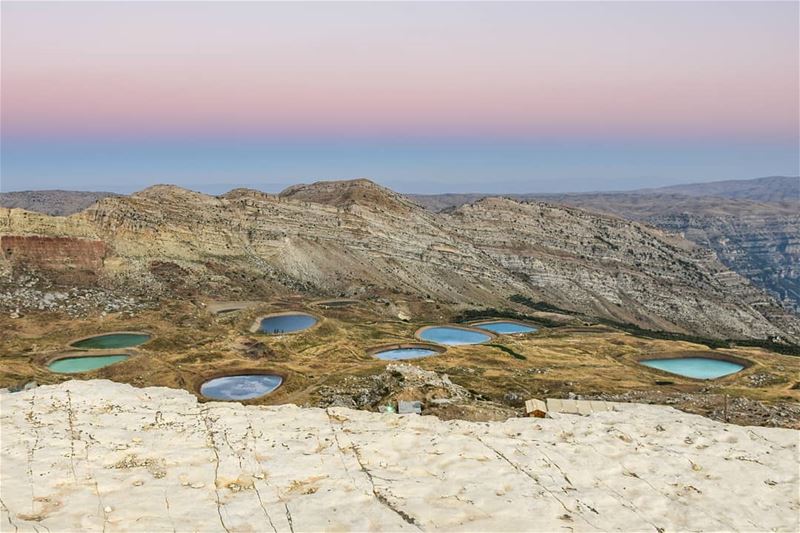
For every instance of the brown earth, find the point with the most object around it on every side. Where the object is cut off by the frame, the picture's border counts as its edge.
(330, 365)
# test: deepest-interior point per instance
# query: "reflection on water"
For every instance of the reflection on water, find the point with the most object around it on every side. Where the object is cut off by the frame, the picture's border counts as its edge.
(452, 336)
(244, 387)
(405, 353)
(505, 328)
(286, 323)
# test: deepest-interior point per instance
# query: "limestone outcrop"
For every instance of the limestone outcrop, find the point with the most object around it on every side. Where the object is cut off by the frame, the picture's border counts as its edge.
(103, 456)
(65, 258)
(752, 225)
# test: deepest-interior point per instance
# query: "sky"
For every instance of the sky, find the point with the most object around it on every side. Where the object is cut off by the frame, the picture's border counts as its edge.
(421, 97)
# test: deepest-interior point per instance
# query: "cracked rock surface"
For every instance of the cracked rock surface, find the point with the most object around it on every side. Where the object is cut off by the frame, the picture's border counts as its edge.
(103, 456)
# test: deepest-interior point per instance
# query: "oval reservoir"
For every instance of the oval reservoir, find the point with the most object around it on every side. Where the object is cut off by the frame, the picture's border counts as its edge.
(72, 365)
(451, 335)
(241, 387)
(695, 367)
(399, 354)
(505, 327)
(289, 323)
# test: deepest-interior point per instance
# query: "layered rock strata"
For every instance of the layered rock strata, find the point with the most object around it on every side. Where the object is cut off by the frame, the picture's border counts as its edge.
(357, 239)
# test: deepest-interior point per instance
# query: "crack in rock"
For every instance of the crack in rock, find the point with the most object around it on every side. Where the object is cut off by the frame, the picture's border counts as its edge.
(380, 497)
(210, 436)
(534, 478)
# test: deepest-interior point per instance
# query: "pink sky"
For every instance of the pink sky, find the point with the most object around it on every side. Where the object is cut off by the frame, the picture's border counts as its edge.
(520, 70)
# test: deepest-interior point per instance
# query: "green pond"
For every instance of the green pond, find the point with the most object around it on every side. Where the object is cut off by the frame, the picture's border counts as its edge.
(112, 340)
(71, 365)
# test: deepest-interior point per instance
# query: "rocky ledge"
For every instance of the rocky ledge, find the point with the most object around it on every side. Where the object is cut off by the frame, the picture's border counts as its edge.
(97, 455)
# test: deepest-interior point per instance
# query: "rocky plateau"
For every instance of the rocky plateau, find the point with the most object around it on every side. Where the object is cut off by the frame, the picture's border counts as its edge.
(102, 456)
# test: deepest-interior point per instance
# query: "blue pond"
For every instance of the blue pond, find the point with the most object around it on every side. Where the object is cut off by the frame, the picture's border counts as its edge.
(244, 387)
(452, 336)
(405, 353)
(695, 367)
(505, 328)
(276, 325)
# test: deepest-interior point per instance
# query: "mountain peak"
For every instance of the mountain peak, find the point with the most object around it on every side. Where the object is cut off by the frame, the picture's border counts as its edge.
(169, 191)
(344, 193)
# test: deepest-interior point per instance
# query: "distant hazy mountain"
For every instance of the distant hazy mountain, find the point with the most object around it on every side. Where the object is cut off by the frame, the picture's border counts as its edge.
(771, 189)
(52, 202)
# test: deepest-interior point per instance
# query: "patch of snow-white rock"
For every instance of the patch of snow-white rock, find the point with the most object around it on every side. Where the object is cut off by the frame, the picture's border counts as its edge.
(103, 456)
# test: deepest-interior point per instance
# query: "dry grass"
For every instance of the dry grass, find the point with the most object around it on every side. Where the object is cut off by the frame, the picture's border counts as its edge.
(190, 343)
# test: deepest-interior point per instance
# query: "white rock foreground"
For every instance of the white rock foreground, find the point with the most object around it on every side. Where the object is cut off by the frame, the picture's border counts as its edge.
(103, 456)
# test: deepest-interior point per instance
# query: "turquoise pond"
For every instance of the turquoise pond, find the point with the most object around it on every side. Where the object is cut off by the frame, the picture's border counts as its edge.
(505, 328)
(71, 365)
(275, 325)
(695, 367)
(453, 336)
(113, 340)
(243, 387)
(405, 353)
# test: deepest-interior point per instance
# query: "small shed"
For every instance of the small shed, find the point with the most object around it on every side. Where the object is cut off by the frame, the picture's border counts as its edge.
(405, 407)
(536, 408)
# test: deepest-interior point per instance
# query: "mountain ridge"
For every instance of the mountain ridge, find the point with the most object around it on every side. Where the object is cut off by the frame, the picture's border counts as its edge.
(754, 230)
(478, 255)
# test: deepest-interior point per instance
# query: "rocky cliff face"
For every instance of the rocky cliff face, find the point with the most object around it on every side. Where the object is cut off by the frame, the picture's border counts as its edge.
(358, 239)
(752, 225)
(764, 248)
(103, 456)
(67, 259)
(607, 266)
(759, 241)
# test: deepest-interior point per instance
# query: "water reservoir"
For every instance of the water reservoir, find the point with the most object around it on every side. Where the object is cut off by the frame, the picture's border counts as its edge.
(399, 354)
(505, 327)
(241, 387)
(695, 367)
(72, 365)
(452, 335)
(286, 323)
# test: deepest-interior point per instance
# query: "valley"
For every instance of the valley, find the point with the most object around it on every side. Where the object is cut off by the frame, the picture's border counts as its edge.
(199, 272)
(332, 364)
